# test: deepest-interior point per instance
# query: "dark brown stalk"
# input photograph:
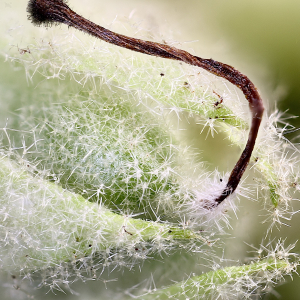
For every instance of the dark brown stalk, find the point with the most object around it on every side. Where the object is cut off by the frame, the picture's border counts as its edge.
(57, 11)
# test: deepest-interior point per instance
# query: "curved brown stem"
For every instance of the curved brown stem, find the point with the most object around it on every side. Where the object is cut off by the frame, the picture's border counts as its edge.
(56, 11)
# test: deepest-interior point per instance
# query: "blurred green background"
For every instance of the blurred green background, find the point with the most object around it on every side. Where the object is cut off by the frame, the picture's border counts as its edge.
(260, 36)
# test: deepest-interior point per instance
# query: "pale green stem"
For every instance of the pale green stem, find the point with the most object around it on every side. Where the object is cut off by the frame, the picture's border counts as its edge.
(200, 287)
(43, 225)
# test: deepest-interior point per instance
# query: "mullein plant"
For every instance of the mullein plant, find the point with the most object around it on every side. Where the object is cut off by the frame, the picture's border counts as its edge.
(96, 175)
